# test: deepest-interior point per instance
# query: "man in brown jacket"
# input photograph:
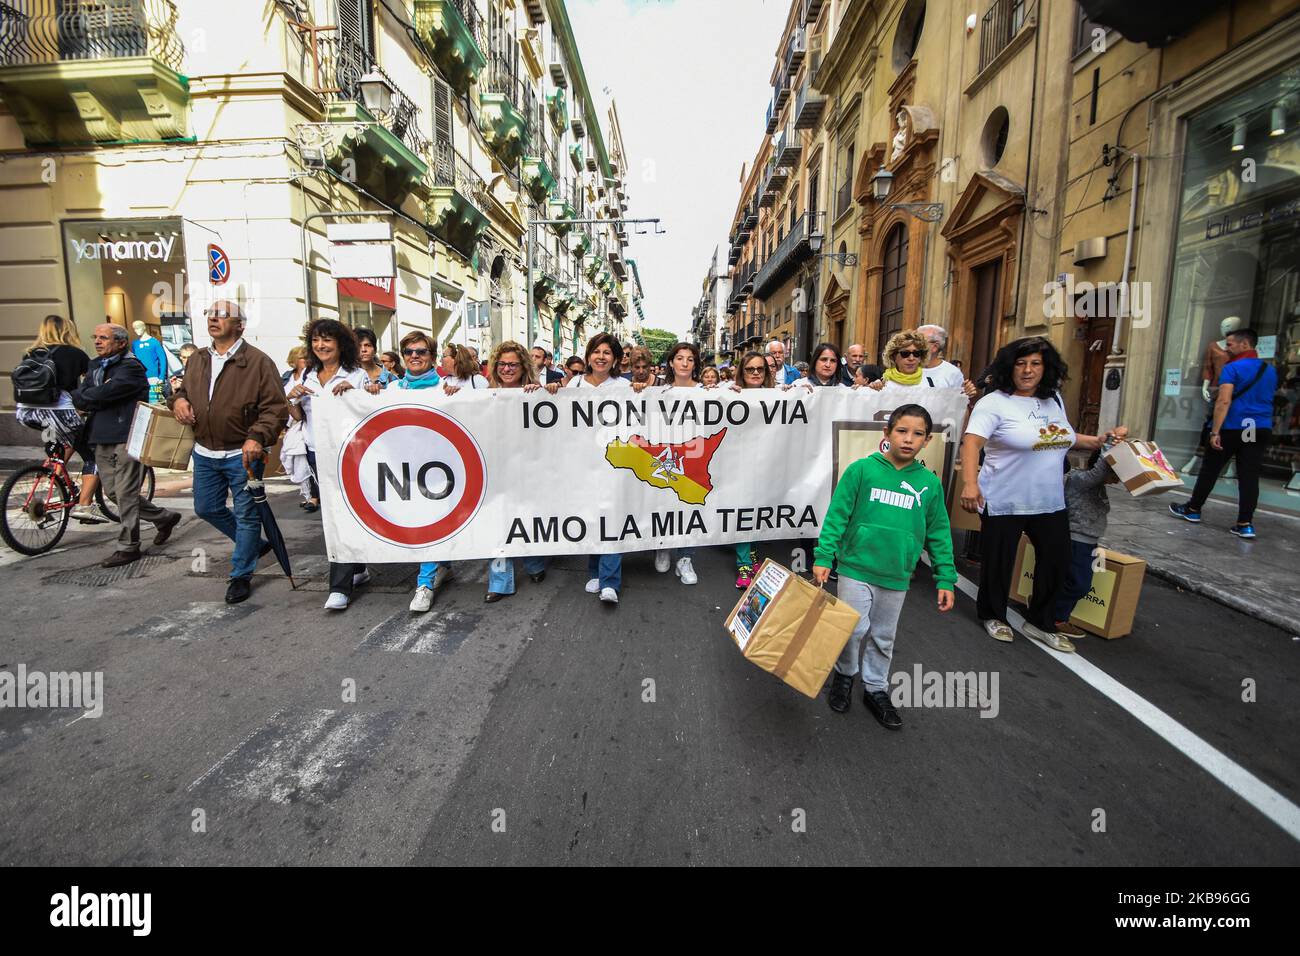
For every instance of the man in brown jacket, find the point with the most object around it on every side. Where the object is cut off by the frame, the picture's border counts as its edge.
(233, 398)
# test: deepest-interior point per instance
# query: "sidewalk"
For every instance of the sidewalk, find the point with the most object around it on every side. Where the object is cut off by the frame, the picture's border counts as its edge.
(1260, 578)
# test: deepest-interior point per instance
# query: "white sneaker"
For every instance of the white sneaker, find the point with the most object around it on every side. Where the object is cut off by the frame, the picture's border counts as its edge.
(609, 595)
(89, 514)
(423, 600)
(593, 586)
(337, 601)
(442, 576)
(663, 560)
(361, 578)
(685, 571)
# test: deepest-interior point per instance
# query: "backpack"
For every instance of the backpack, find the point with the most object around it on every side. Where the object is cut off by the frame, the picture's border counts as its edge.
(35, 379)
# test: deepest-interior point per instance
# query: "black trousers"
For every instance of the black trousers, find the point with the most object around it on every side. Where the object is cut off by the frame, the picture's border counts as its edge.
(340, 574)
(1249, 455)
(999, 540)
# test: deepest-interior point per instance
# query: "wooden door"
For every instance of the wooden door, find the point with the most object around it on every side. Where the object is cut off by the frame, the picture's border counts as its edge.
(1097, 337)
(984, 328)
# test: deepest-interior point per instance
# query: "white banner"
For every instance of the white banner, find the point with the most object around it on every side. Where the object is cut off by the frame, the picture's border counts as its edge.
(422, 476)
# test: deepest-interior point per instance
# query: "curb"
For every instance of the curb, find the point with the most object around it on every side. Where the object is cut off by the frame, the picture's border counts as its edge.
(1281, 621)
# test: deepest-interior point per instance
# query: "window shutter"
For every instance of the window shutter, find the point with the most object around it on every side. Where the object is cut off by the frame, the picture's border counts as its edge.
(354, 20)
(441, 112)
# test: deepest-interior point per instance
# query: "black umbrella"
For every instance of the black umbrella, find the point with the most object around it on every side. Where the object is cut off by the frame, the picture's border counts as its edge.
(257, 488)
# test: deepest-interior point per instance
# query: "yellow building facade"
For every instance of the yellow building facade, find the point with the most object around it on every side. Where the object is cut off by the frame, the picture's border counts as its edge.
(375, 162)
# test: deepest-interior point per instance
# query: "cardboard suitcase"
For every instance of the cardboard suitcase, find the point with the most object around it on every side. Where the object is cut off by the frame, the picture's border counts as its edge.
(790, 627)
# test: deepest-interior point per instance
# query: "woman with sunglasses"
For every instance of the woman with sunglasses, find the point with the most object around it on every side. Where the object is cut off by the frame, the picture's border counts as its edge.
(573, 366)
(905, 356)
(417, 349)
(682, 360)
(754, 372)
(392, 362)
(604, 353)
(510, 367)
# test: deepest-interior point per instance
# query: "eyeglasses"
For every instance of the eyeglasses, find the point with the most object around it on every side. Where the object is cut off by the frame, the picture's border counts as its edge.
(756, 370)
(409, 352)
(910, 353)
(508, 366)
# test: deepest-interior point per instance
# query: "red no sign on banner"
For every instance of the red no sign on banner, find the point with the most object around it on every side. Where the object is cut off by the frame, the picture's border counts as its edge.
(412, 475)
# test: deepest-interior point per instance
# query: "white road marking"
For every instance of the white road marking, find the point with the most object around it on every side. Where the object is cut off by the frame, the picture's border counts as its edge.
(1217, 764)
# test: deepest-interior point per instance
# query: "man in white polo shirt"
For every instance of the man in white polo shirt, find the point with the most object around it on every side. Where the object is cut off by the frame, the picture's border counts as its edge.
(938, 371)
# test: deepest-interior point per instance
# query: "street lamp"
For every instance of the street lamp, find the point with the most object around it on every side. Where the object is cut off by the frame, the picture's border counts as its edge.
(843, 258)
(883, 183)
(376, 92)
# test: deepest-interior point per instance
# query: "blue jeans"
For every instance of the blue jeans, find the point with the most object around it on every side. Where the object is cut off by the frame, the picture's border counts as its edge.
(501, 573)
(214, 479)
(607, 567)
(1078, 579)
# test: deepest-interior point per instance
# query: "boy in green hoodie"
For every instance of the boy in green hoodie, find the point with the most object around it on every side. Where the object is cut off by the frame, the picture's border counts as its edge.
(886, 507)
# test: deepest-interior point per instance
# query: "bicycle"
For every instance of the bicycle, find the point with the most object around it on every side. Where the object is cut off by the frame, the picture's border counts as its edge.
(36, 502)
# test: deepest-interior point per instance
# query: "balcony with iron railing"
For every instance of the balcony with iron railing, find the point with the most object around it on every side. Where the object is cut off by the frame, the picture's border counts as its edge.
(999, 26)
(546, 275)
(789, 146)
(795, 51)
(83, 71)
(458, 200)
(780, 93)
(376, 137)
(809, 104)
(506, 104)
(453, 32)
(793, 250)
(811, 8)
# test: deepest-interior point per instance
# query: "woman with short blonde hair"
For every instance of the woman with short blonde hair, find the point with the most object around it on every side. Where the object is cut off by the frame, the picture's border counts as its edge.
(904, 358)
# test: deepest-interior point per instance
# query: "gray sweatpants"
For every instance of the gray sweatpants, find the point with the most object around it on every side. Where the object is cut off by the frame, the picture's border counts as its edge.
(872, 641)
(122, 476)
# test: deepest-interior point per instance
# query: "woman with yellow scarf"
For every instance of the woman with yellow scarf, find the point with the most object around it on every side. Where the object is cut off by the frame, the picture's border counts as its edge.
(904, 359)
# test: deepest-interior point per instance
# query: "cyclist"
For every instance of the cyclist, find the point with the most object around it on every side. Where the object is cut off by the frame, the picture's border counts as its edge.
(58, 346)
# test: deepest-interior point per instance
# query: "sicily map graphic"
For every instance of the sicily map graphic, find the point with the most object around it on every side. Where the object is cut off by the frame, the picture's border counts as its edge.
(682, 468)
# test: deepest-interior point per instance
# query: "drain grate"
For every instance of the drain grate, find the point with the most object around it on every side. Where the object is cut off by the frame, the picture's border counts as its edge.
(96, 577)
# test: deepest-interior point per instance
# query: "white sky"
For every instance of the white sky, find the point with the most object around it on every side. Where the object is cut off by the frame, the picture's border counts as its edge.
(691, 79)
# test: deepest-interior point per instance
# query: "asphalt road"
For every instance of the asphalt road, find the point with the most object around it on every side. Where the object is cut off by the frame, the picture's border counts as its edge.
(525, 732)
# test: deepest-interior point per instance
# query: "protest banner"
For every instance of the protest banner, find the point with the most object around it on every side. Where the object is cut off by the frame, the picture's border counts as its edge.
(421, 476)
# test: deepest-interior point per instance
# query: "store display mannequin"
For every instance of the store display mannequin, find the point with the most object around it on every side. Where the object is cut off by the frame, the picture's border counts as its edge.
(151, 354)
(1216, 354)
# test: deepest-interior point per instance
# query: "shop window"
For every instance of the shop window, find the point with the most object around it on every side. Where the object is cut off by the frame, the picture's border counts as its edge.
(1236, 263)
(127, 271)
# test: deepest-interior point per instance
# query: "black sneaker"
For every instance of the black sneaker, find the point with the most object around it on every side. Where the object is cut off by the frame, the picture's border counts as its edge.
(882, 709)
(841, 694)
(238, 590)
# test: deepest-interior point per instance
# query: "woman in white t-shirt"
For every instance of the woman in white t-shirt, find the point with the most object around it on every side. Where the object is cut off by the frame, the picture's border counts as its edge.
(333, 367)
(1024, 434)
(604, 353)
(461, 368)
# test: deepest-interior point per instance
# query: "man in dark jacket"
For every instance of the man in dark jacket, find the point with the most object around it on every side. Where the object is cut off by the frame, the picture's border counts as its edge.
(109, 391)
(233, 396)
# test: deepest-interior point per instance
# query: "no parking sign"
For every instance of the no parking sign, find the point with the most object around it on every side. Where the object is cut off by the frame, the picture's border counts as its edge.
(412, 475)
